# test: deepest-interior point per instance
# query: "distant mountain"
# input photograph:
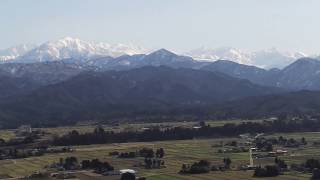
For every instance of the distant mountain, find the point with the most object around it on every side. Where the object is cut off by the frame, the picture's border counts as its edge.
(271, 58)
(84, 51)
(303, 74)
(103, 56)
(42, 73)
(125, 62)
(14, 52)
(167, 58)
(161, 57)
(50, 72)
(18, 78)
(252, 73)
(98, 96)
(71, 48)
(83, 56)
(226, 53)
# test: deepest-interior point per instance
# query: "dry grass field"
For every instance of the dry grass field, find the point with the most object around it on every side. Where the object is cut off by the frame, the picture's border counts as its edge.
(177, 153)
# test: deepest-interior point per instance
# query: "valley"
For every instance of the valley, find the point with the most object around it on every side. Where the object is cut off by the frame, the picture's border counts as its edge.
(159, 90)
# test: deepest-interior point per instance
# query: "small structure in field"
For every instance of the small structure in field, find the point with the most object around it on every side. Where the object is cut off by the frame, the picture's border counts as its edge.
(122, 171)
(24, 129)
(278, 152)
(196, 127)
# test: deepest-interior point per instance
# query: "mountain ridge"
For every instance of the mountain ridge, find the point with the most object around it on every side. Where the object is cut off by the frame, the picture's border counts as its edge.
(73, 48)
(99, 95)
(302, 74)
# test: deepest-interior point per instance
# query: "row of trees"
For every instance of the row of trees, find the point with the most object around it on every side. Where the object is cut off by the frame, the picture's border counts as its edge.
(15, 153)
(144, 152)
(266, 143)
(178, 133)
(72, 163)
(97, 165)
(310, 165)
(204, 166)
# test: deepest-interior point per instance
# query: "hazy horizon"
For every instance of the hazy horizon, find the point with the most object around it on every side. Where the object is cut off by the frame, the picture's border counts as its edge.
(175, 25)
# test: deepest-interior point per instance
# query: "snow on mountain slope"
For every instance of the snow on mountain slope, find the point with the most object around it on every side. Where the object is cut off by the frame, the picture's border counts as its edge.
(270, 58)
(77, 49)
(273, 58)
(80, 51)
(226, 53)
(14, 52)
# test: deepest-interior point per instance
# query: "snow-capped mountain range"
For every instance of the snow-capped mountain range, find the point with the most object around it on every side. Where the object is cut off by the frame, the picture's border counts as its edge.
(77, 49)
(270, 58)
(73, 48)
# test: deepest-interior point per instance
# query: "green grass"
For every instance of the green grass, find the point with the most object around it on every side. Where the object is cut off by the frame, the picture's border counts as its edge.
(163, 177)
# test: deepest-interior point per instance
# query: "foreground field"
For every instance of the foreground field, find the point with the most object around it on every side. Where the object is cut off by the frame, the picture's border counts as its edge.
(177, 153)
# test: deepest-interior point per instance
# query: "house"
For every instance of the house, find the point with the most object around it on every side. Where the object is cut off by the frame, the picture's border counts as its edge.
(24, 129)
(278, 152)
(196, 127)
(122, 171)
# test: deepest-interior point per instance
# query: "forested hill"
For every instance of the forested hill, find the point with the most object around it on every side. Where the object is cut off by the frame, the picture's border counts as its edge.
(104, 95)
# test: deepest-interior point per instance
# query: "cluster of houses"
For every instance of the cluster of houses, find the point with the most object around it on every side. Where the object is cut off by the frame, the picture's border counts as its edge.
(72, 174)
(12, 153)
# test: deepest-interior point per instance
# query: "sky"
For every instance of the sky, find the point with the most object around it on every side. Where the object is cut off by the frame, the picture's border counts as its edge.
(181, 25)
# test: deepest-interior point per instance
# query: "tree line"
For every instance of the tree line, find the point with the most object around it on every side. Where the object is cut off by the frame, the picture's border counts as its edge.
(100, 136)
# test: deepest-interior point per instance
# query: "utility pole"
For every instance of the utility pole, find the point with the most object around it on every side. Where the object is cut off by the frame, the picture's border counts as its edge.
(250, 140)
(250, 157)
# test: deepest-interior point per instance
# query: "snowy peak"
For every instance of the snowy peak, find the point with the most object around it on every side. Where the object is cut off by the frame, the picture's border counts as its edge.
(14, 52)
(225, 53)
(270, 58)
(73, 48)
(81, 51)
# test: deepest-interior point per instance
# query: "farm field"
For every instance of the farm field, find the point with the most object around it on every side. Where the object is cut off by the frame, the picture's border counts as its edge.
(177, 153)
(7, 134)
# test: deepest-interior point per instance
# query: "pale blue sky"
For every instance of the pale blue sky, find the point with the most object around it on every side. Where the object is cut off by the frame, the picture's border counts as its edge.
(174, 24)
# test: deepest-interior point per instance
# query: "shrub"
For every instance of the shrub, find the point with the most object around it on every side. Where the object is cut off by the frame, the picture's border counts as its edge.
(227, 163)
(267, 171)
(280, 163)
(312, 164)
(128, 176)
(315, 174)
(202, 166)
